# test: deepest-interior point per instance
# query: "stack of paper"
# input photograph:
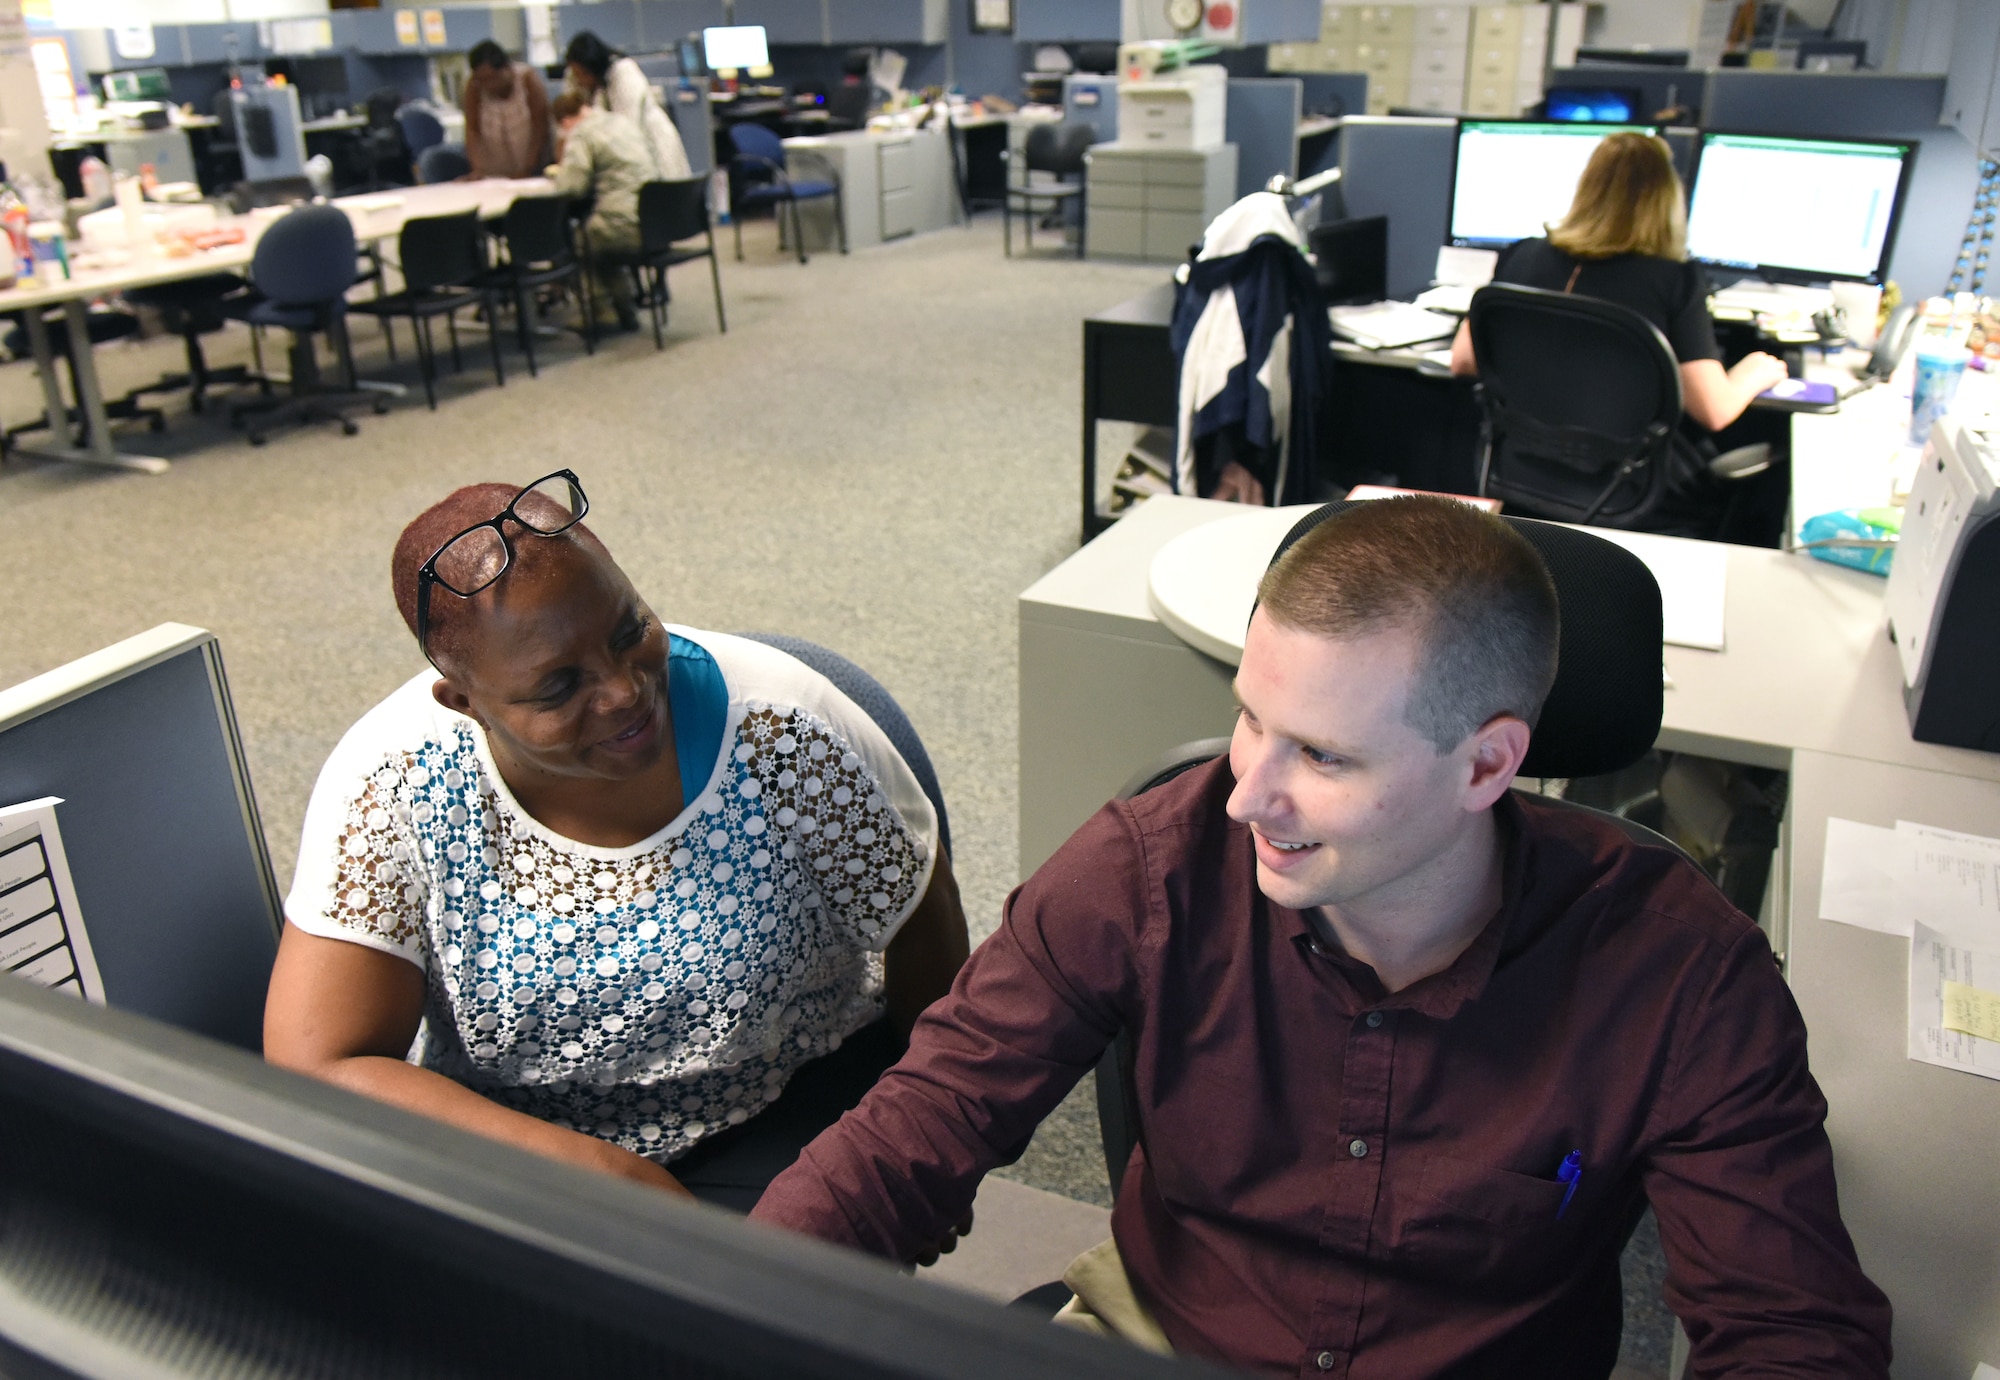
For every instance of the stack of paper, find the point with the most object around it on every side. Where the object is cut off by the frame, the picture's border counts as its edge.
(1388, 325)
(1942, 889)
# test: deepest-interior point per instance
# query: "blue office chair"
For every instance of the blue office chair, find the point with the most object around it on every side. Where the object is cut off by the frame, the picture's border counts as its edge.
(304, 265)
(442, 163)
(421, 129)
(758, 177)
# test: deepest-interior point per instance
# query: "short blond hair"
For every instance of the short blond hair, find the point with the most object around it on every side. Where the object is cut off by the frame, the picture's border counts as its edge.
(1628, 201)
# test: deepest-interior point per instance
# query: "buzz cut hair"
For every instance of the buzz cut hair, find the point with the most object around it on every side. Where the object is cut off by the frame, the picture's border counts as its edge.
(1473, 591)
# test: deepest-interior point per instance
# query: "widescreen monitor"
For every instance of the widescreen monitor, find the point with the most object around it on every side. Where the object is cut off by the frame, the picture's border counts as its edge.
(736, 48)
(172, 1207)
(1512, 178)
(1798, 209)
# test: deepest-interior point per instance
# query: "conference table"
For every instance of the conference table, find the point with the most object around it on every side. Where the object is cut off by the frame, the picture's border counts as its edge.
(376, 216)
(1127, 649)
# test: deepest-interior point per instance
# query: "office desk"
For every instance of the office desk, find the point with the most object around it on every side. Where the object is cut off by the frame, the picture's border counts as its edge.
(1809, 683)
(1128, 376)
(376, 216)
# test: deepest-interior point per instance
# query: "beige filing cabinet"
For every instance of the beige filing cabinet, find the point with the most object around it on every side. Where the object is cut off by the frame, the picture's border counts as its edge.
(1148, 203)
(1481, 59)
(896, 167)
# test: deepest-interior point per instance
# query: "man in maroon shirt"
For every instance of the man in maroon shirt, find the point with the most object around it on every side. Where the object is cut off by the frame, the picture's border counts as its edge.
(1414, 1052)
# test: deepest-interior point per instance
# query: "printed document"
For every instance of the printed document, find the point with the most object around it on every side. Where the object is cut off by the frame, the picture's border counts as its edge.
(42, 937)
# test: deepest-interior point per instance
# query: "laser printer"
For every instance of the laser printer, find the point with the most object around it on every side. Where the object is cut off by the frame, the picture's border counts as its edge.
(1944, 588)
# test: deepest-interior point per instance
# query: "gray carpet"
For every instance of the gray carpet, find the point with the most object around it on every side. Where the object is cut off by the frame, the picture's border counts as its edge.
(879, 456)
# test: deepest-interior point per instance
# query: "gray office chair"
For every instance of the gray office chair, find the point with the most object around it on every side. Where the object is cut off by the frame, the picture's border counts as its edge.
(1580, 407)
(1061, 150)
(1602, 714)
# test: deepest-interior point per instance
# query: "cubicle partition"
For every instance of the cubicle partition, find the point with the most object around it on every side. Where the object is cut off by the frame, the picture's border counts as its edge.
(1400, 168)
(159, 824)
(1262, 119)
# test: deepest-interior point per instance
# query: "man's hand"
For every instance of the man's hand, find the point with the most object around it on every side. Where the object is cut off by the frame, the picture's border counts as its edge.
(947, 1244)
(1237, 485)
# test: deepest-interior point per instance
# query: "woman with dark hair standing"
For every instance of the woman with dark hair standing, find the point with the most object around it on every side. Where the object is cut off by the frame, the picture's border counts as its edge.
(607, 78)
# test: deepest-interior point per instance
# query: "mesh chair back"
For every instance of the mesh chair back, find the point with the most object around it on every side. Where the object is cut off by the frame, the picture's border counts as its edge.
(756, 142)
(440, 251)
(381, 106)
(1059, 148)
(537, 230)
(421, 129)
(672, 211)
(1581, 399)
(305, 257)
(1603, 712)
(442, 163)
(878, 704)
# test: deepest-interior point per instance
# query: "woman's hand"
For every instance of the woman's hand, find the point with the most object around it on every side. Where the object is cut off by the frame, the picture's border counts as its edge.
(1237, 485)
(1758, 371)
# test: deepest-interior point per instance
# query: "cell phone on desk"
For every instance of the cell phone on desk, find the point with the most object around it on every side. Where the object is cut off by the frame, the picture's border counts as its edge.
(1800, 395)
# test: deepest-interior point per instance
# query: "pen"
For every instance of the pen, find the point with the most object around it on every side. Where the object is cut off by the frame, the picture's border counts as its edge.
(1571, 1173)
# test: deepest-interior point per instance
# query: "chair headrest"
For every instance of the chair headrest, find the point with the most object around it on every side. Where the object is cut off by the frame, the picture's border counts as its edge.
(1603, 713)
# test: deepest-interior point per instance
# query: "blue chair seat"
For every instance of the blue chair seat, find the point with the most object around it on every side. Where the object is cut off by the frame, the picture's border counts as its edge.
(283, 315)
(803, 191)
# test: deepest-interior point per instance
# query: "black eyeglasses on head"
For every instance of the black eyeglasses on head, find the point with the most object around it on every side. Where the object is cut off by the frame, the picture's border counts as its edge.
(477, 557)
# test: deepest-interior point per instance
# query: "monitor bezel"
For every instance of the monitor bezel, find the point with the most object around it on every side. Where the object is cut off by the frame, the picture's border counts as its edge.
(1458, 139)
(1787, 273)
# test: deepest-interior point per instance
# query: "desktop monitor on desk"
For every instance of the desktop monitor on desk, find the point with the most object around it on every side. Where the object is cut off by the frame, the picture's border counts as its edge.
(1512, 178)
(738, 48)
(1593, 105)
(1810, 210)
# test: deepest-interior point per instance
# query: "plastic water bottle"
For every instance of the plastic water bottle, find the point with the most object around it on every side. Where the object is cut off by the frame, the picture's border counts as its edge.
(14, 219)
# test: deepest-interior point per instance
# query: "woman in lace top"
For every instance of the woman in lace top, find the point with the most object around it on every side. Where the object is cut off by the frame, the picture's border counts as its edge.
(603, 887)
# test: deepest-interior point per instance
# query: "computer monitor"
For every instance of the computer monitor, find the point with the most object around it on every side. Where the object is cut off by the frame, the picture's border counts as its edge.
(170, 1206)
(1512, 178)
(1798, 209)
(736, 48)
(690, 59)
(139, 84)
(1351, 259)
(1602, 105)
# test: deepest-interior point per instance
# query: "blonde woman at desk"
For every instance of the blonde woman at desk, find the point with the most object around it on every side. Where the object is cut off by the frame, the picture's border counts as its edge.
(1625, 241)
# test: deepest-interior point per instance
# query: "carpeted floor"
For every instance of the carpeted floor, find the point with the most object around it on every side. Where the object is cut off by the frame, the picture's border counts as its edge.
(879, 456)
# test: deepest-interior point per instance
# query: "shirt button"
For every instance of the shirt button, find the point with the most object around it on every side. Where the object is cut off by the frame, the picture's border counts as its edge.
(1359, 1149)
(1325, 1359)
(1374, 1019)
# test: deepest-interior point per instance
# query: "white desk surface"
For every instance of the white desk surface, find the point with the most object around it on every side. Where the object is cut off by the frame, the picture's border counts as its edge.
(1807, 663)
(376, 216)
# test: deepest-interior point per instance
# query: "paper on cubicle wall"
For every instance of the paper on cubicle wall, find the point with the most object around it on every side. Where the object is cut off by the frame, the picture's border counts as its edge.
(42, 937)
(1889, 879)
(1954, 992)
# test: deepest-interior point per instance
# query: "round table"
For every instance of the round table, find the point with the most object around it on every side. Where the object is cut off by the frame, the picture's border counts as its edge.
(1203, 583)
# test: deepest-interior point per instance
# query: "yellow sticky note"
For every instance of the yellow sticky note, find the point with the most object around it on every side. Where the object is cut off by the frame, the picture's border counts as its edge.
(1972, 1011)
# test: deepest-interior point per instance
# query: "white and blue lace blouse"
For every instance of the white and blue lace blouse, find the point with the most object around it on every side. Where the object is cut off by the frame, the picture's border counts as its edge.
(652, 994)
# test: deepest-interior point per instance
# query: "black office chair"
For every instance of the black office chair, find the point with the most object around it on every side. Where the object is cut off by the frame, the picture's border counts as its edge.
(101, 326)
(382, 151)
(443, 263)
(1580, 403)
(191, 309)
(1060, 150)
(540, 253)
(1602, 715)
(221, 155)
(302, 270)
(670, 213)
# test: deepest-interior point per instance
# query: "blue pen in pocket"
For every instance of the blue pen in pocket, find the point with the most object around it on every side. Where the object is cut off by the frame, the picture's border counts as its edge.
(1570, 1172)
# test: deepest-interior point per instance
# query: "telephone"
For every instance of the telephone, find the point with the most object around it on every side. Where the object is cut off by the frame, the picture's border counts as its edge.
(1894, 341)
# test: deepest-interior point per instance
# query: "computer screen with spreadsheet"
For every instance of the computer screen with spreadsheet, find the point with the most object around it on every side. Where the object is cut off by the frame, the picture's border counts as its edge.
(1513, 177)
(1798, 208)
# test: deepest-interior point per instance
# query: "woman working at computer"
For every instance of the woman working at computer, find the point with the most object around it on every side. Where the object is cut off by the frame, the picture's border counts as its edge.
(621, 893)
(1625, 241)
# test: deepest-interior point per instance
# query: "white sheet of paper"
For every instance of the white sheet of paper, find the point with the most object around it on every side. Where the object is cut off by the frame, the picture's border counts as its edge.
(1462, 266)
(42, 937)
(1859, 882)
(1934, 960)
(1694, 583)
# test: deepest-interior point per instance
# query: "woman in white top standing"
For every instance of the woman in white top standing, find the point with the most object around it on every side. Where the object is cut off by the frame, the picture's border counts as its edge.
(621, 893)
(614, 81)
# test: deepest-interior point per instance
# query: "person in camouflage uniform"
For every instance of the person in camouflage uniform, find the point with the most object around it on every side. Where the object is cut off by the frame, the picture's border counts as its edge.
(604, 156)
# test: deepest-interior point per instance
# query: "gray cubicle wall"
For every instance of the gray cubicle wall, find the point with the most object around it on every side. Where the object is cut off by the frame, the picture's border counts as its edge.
(1400, 168)
(159, 825)
(1261, 118)
(1869, 105)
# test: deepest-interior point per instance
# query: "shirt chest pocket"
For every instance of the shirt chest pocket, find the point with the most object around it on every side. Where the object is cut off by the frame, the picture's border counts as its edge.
(1460, 1220)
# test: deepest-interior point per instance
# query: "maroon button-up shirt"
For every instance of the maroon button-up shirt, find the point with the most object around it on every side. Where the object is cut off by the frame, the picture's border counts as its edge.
(1338, 1181)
